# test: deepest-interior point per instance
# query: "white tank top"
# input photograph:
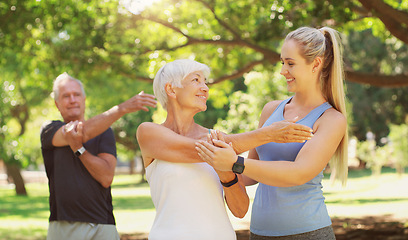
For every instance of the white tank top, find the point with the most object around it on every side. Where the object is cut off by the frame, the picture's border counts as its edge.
(189, 202)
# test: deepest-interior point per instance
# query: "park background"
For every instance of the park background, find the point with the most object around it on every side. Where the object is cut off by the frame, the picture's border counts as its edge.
(115, 48)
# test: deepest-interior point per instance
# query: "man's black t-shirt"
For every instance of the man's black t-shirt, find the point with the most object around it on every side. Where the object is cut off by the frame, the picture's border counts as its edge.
(74, 194)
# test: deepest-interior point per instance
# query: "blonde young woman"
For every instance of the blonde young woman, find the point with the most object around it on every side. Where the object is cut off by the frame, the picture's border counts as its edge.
(188, 193)
(289, 202)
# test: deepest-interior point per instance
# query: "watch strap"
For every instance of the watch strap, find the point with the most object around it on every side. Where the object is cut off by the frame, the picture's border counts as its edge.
(240, 160)
(230, 183)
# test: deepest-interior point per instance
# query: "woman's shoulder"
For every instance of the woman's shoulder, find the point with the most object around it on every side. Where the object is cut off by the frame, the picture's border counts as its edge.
(272, 105)
(148, 125)
(333, 118)
(333, 114)
(149, 129)
(151, 126)
(268, 109)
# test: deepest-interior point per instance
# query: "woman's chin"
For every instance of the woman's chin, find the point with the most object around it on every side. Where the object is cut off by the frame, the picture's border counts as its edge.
(203, 109)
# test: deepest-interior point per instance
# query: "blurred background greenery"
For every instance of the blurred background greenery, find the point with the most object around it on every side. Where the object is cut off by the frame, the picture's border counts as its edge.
(115, 48)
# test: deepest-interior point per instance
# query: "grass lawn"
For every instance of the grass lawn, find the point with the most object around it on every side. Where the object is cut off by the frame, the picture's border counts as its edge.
(366, 195)
(26, 218)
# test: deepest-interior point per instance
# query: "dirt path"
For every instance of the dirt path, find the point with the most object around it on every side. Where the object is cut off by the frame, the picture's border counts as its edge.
(368, 228)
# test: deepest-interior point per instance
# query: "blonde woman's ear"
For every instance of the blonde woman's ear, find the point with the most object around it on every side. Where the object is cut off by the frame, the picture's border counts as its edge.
(317, 62)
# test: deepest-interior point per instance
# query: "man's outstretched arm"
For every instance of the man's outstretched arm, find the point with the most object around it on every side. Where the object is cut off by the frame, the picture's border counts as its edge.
(98, 124)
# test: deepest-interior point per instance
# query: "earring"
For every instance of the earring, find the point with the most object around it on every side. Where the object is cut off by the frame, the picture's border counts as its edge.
(313, 71)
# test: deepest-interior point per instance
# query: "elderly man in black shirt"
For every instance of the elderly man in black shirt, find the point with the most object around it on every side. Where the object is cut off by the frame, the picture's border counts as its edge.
(80, 161)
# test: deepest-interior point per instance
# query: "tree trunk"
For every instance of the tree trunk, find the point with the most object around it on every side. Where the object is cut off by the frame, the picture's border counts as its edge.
(361, 163)
(13, 171)
(132, 165)
(376, 170)
(143, 172)
(400, 170)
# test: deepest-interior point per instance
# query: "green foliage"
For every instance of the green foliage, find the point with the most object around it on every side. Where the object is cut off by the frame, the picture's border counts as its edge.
(366, 150)
(393, 152)
(376, 157)
(374, 108)
(245, 107)
(399, 143)
(112, 50)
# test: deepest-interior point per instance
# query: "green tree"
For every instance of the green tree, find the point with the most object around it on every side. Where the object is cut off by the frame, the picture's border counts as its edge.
(399, 142)
(375, 107)
(116, 53)
(245, 106)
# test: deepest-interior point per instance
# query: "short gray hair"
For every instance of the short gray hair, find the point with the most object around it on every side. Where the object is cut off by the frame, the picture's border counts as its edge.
(173, 73)
(62, 78)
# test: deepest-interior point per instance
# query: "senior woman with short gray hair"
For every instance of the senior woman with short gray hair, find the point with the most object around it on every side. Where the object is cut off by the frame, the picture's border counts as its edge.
(188, 193)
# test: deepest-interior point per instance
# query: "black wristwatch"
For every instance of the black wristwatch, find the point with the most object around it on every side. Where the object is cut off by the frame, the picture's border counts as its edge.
(80, 151)
(238, 166)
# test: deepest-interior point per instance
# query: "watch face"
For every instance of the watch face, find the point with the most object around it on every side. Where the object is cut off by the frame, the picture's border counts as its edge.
(238, 168)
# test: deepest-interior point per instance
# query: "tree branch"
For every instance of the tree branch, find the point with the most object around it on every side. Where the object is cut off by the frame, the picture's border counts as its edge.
(378, 80)
(164, 23)
(268, 54)
(221, 22)
(125, 141)
(384, 9)
(364, 12)
(239, 73)
(168, 49)
(138, 78)
(393, 19)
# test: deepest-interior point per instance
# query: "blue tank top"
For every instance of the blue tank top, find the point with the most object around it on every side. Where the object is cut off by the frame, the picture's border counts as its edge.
(282, 211)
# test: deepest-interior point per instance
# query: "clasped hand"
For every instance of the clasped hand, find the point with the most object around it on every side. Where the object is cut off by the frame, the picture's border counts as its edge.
(73, 134)
(216, 152)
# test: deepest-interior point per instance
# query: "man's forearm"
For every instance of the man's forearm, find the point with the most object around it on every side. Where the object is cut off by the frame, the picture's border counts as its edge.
(92, 127)
(100, 123)
(101, 167)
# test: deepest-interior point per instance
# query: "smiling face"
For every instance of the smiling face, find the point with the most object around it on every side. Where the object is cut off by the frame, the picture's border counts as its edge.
(194, 93)
(298, 73)
(70, 101)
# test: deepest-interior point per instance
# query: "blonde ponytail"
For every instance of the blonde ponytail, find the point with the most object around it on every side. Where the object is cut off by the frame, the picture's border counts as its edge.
(335, 94)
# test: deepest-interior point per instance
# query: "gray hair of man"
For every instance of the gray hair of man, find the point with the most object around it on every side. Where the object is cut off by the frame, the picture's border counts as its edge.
(173, 73)
(61, 79)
